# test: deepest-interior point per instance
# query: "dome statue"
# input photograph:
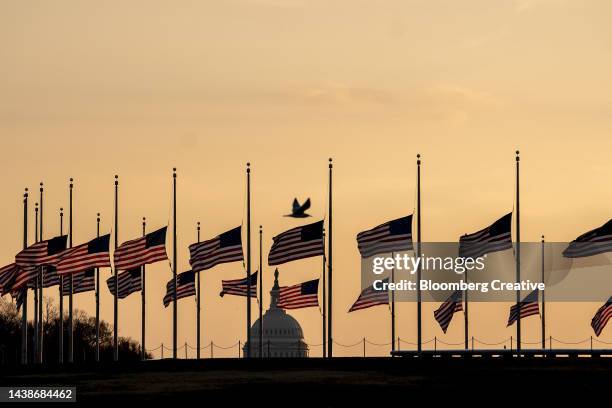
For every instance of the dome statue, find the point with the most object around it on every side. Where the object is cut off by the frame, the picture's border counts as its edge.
(282, 334)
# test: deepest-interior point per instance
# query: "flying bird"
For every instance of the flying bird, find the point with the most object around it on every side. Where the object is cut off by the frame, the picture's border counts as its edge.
(299, 211)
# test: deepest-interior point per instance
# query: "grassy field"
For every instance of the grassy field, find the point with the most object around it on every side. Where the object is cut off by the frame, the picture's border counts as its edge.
(323, 383)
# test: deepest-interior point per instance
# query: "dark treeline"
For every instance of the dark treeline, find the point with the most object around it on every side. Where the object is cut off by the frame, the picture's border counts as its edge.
(84, 337)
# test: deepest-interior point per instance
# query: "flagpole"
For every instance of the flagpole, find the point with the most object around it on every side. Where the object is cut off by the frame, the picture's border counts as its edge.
(543, 301)
(392, 309)
(248, 311)
(324, 296)
(198, 303)
(329, 267)
(260, 293)
(40, 288)
(174, 269)
(419, 323)
(98, 298)
(61, 300)
(70, 308)
(36, 283)
(518, 256)
(24, 290)
(465, 315)
(115, 298)
(143, 353)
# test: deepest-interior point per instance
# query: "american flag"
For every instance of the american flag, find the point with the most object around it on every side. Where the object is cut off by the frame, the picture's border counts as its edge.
(298, 296)
(371, 297)
(529, 307)
(495, 237)
(50, 277)
(186, 287)
(445, 312)
(224, 248)
(8, 274)
(238, 287)
(92, 254)
(392, 236)
(297, 243)
(17, 296)
(26, 275)
(41, 253)
(602, 316)
(128, 281)
(594, 242)
(81, 282)
(137, 252)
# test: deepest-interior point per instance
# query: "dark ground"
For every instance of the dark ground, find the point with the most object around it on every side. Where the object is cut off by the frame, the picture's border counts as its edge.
(319, 383)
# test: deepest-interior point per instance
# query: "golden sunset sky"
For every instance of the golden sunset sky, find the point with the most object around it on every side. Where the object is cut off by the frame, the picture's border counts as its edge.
(93, 89)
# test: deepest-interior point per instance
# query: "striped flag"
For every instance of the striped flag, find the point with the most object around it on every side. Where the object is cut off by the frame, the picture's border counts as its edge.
(128, 282)
(92, 254)
(371, 297)
(81, 282)
(297, 243)
(495, 237)
(594, 242)
(26, 275)
(238, 287)
(298, 296)
(529, 307)
(50, 277)
(146, 250)
(601, 318)
(445, 312)
(392, 236)
(8, 274)
(185, 283)
(224, 248)
(41, 253)
(17, 296)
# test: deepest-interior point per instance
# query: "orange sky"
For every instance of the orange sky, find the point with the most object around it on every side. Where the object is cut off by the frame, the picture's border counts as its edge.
(89, 90)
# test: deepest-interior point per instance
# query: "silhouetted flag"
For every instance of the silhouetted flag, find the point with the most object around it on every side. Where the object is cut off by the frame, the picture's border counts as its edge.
(42, 253)
(594, 242)
(92, 254)
(297, 243)
(224, 248)
(50, 277)
(371, 297)
(392, 236)
(8, 274)
(238, 287)
(529, 307)
(81, 282)
(17, 298)
(128, 282)
(149, 249)
(601, 318)
(445, 312)
(185, 283)
(25, 276)
(299, 296)
(496, 237)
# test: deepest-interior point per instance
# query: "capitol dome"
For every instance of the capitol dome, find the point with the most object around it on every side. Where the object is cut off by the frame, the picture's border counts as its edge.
(282, 334)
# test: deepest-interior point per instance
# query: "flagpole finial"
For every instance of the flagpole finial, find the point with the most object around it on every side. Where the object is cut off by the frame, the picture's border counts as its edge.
(248, 167)
(41, 186)
(116, 180)
(198, 225)
(98, 219)
(174, 172)
(542, 237)
(331, 164)
(418, 159)
(518, 155)
(25, 194)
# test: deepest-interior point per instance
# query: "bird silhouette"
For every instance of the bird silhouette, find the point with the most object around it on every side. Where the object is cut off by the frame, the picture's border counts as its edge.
(299, 211)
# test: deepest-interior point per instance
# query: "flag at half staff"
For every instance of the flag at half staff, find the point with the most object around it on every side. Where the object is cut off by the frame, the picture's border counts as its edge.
(25, 276)
(496, 237)
(601, 318)
(8, 274)
(529, 307)
(146, 250)
(392, 236)
(597, 241)
(297, 243)
(81, 282)
(41, 253)
(238, 287)
(371, 297)
(224, 248)
(185, 283)
(128, 282)
(299, 296)
(50, 277)
(92, 254)
(444, 314)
